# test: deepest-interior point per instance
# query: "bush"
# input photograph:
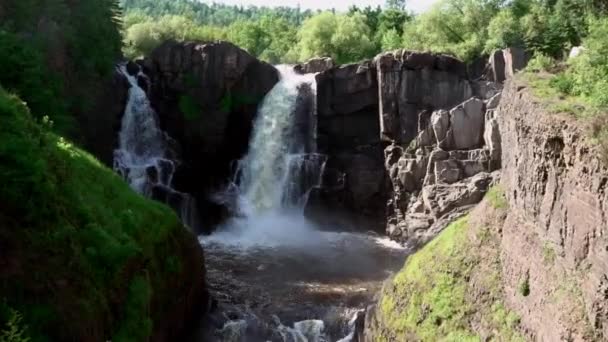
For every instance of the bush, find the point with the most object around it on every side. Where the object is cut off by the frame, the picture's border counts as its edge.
(589, 71)
(541, 62)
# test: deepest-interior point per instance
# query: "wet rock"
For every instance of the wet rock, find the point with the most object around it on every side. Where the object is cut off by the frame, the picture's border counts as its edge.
(206, 97)
(132, 68)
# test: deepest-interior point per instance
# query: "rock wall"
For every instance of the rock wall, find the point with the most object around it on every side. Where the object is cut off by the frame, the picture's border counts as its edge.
(354, 189)
(555, 235)
(362, 108)
(206, 97)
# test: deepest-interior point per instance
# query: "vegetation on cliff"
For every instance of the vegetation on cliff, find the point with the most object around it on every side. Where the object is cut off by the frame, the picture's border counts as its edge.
(83, 257)
(451, 289)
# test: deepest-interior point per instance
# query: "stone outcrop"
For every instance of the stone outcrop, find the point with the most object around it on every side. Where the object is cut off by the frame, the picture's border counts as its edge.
(555, 236)
(347, 131)
(315, 65)
(445, 170)
(413, 83)
(363, 107)
(206, 97)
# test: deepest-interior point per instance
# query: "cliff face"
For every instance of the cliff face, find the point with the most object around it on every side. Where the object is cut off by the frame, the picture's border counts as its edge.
(364, 107)
(536, 263)
(555, 233)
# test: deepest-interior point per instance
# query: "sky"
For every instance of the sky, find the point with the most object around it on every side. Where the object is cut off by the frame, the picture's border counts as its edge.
(414, 5)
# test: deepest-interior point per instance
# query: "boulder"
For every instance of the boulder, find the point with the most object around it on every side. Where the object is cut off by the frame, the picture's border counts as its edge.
(447, 171)
(516, 59)
(440, 122)
(466, 125)
(496, 64)
(315, 65)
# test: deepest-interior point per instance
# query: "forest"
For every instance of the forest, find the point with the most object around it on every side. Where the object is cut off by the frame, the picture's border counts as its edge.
(467, 29)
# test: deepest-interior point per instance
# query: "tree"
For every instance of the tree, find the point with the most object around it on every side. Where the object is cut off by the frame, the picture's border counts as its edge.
(398, 5)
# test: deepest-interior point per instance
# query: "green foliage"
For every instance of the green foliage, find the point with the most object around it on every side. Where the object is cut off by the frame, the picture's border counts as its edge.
(189, 107)
(549, 254)
(136, 324)
(47, 58)
(345, 38)
(589, 71)
(12, 329)
(51, 221)
(540, 62)
(497, 198)
(23, 71)
(459, 27)
(451, 288)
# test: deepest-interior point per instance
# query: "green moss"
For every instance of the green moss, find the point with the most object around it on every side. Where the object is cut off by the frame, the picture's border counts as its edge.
(189, 107)
(453, 280)
(436, 307)
(524, 286)
(79, 235)
(497, 198)
(548, 254)
(136, 324)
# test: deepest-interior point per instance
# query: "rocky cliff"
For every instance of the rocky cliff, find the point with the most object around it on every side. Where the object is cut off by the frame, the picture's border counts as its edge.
(555, 235)
(206, 97)
(545, 276)
(364, 107)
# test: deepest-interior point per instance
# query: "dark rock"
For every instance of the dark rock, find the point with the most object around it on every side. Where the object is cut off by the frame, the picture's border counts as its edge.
(516, 59)
(315, 65)
(411, 83)
(206, 97)
(496, 72)
(132, 68)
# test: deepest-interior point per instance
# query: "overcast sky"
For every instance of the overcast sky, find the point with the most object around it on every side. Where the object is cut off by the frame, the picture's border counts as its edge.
(414, 5)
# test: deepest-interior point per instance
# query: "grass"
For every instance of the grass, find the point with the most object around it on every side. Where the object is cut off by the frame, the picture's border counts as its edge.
(437, 295)
(87, 255)
(496, 197)
(545, 86)
(549, 254)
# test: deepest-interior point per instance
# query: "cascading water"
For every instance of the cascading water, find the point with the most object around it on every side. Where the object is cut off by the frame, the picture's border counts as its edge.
(282, 165)
(143, 157)
(275, 275)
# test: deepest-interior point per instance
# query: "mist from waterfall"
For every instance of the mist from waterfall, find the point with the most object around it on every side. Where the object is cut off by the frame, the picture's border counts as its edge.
(143, 157)
(281, 168)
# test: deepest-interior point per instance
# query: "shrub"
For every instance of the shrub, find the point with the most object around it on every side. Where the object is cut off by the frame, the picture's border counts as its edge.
(540, 62)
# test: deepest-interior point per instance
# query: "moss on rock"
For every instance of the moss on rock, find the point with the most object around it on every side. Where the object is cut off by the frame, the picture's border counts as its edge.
(450, 290)
(83, 257)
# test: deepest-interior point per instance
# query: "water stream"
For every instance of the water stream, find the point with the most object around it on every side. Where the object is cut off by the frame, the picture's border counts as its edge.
(144, 158)
(276, 276)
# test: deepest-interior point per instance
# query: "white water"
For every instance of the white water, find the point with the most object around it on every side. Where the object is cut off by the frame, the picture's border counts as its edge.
(143, 156)
(281, 168)
(279, 171)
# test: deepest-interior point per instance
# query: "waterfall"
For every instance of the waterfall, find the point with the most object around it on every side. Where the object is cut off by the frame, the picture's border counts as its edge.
(143, 157)
(282, 165)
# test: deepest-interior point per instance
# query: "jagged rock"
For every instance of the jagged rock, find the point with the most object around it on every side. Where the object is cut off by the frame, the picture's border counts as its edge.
(447, 171)
(315, 65)
(497, 67)
(492, 138)
(466, 125)
(493, 102)
(440, 122)
(516, 59)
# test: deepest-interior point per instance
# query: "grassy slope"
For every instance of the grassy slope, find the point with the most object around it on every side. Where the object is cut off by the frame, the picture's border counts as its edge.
(450, 290)
(82, 257)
